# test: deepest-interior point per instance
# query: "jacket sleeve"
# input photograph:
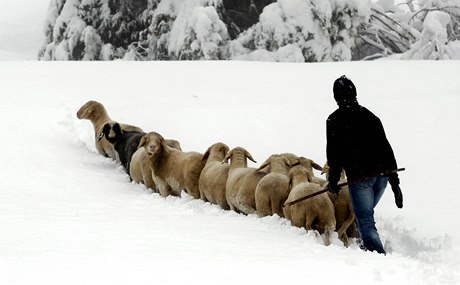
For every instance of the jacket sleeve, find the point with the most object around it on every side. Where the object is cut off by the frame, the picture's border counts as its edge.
(385, 147)
(333, 153)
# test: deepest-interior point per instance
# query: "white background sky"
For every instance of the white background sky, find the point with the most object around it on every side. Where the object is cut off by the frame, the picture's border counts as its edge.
(21, 28)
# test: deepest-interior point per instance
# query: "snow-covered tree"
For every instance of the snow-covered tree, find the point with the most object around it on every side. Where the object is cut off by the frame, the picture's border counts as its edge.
(198, 33)
(275, 30)
(322, 30)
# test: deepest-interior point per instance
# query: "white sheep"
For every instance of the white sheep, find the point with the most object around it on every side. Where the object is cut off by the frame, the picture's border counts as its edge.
(307, 163)
(97, 114)
(316, 213)
(173, 170)
(140, 170)
(214, 176)
(241, 182)
(273, 189)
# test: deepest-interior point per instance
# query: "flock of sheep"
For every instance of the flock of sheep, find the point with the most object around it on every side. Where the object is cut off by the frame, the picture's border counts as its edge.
(221, 176)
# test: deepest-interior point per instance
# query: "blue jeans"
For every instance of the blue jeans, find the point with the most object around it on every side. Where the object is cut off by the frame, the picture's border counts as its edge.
(364, 197)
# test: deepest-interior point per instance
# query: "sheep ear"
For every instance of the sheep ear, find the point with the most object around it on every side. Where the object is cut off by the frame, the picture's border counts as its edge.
(248, 155)
(296, 162)
(164, 145)
(265, 164)
(316, 166)
(206, 154)
(101, 135)
(287, 162)
(325, 169)
(142, 142)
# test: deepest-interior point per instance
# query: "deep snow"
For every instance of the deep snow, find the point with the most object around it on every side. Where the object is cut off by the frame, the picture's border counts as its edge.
(69, 215)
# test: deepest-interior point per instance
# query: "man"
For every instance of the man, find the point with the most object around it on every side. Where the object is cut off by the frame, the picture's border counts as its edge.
(356, 143)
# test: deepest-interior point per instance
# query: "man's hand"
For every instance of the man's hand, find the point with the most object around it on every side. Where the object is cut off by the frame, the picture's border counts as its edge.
(394, 182)
(333, 188)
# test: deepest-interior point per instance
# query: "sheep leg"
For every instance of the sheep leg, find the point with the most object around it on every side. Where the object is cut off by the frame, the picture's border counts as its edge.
(277, 207)
(343, 229)
(309, 220)
(263, 207)
(203, 196)
(194, 192)
(165, 190)
(148, 180)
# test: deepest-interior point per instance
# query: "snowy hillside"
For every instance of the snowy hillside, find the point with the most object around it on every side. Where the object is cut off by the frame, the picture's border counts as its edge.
(71, 216)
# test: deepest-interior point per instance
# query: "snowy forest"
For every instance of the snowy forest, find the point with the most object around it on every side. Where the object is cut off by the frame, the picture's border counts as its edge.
(263, 30)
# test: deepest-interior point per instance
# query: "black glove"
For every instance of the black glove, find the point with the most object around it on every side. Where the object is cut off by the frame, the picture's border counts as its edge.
(333, 188)
(394, 182)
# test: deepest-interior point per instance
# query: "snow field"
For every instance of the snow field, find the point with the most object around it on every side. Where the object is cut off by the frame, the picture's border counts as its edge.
(70, 215)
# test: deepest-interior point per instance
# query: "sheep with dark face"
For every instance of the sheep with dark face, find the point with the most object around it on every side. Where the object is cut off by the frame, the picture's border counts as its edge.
(97, 114)
(125, 143)
(242, 181)
(214, 176)
(316, 213)
(273, 189)
(173, 170)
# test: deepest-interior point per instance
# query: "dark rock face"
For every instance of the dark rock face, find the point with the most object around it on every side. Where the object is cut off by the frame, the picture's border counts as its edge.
(239, 15)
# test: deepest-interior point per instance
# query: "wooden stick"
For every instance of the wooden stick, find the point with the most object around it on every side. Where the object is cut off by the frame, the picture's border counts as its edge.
(341, 185)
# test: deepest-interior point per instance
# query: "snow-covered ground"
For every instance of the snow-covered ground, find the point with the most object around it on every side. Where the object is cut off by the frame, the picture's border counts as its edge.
(71, 216)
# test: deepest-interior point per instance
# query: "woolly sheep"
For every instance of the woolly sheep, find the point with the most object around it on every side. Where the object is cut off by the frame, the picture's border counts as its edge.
(125, 143)
(241, 182)
(140, 170)
(344, 214)
(273, 189)
(309, 164)
(316, 213)
(214, 176)
(97, 114)
(172, 169)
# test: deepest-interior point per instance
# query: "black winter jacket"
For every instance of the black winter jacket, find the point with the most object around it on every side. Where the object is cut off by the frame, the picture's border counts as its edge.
(356, 142)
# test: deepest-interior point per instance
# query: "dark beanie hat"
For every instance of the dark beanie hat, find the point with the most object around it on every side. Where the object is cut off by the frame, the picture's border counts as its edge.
(344, 89)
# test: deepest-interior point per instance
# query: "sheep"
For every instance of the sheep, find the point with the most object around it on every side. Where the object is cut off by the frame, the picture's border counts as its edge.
(214, 176)
(96, 113)
(173, 170)
(139, 168)
(344, 214)
(241, 182)
(125, 143)
(273, 189)
(316, 213)
(307, 163)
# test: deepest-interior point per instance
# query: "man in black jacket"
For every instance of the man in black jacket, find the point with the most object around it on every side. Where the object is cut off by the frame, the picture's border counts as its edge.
(356, 143)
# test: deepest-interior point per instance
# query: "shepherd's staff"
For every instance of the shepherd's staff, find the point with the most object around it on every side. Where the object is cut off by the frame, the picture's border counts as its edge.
(341, 185)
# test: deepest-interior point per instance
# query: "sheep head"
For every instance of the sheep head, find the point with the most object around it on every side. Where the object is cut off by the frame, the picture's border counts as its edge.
(89, 109)
(218, 150)
(276, 159)
(153, 142)
(310, 164)
(112, 132)
(299, 174)
(238, 154)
